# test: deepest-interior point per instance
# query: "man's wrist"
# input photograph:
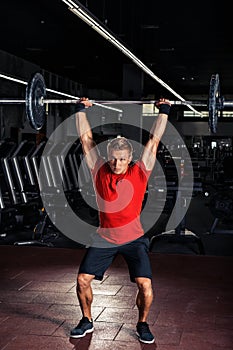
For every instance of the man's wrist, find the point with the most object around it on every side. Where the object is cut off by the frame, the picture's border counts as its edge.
(164, 108)
(80, 107)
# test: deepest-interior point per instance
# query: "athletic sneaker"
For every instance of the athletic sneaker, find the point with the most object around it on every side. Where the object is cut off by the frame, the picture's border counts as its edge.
(85, 326)
(144, 333)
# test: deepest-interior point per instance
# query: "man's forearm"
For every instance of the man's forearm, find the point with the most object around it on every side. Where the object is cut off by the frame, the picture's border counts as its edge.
(160, 123)
(156, 133)
(159, 127)
(83, 126)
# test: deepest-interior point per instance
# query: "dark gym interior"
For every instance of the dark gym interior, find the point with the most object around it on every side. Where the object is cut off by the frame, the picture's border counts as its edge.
(188, 206)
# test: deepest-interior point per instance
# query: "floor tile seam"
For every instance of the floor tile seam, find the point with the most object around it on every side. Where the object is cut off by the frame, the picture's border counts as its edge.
(4, 319)
(101, 312)
(9, 342)
(17, 275)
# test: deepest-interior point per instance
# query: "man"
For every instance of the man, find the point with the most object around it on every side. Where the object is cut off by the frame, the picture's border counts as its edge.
(120, 187)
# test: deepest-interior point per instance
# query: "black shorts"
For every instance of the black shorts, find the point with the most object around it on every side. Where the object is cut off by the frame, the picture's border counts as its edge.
(97, 260)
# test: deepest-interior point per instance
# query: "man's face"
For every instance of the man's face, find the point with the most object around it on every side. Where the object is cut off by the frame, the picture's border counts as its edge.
(119, 161)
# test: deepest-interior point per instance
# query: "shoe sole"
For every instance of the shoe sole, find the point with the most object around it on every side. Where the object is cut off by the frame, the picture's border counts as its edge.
(82, 335)
(145, 341)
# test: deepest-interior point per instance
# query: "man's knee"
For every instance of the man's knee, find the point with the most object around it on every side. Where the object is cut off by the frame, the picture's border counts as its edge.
(84, 281)
(144, 285)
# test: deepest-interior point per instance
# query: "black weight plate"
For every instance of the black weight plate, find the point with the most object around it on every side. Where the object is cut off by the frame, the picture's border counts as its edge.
(213, 103)
(35, 110)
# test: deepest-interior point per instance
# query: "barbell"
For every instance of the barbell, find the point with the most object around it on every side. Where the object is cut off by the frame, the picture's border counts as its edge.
(35, 101)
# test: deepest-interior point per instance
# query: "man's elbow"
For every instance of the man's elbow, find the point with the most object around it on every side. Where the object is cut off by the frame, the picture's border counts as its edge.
(152, 145)
(154, 141)
(85, 138)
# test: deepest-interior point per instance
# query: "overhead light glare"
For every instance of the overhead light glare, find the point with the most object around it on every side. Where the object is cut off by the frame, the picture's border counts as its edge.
(86, 17)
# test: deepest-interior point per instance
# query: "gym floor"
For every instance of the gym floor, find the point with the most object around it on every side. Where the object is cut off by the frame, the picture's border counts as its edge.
(192, 309)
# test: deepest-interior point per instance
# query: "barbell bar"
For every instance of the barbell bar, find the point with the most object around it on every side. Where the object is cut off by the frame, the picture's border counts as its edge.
(35, 101)
(104, 102)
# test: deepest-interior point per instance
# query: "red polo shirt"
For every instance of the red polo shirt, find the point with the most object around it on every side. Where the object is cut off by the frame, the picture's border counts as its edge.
(119, 199)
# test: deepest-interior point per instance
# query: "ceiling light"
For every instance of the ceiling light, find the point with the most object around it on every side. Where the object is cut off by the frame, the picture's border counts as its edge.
(86, 17)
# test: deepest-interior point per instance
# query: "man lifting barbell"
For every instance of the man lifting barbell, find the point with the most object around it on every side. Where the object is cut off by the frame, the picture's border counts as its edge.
(120, 186)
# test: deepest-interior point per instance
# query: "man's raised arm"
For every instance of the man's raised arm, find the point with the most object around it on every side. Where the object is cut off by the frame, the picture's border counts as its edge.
(85, 133)
(149, 153)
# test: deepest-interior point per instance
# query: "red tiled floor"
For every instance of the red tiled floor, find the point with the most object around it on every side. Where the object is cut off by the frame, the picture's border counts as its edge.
(192, 310)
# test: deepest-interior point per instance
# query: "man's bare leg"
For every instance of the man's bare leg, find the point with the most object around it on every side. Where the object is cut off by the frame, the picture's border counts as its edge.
(85, 294)
(85, 297)
(144, 297)
(143, 301)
